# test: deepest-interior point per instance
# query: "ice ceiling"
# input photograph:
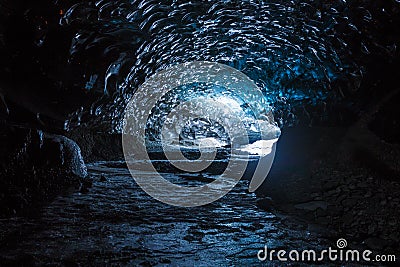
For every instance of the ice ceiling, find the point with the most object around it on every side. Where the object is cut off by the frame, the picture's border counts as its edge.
(79, 62)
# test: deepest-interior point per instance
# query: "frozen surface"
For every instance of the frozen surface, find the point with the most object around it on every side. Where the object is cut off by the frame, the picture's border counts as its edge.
(116, 223)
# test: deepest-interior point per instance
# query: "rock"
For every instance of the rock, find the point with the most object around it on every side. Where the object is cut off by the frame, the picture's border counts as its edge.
(323, 220)
(103, 178)
(362, 185)
(350, 202)
(83, 189)
(72, 160)
(376, 243)
(321, 212)
(347, 219)
(36, 167)
(368, 194)
(334, 210)
(98, 146)
(70, 263)
(85, 185)
(322, 230)
(312, 206)
(329, 185)
(265, 203)
(371, 229)
(341, 198)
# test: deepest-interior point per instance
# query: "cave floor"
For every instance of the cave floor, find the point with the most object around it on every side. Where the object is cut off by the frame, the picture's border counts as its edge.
(115, 223)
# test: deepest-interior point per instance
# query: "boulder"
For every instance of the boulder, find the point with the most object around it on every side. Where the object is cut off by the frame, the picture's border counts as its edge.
(36, 166)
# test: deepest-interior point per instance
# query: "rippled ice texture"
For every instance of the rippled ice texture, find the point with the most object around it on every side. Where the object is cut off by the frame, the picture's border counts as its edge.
(291, 49)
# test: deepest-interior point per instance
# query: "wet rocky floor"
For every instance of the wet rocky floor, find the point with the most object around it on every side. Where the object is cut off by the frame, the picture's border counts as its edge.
(115, 223)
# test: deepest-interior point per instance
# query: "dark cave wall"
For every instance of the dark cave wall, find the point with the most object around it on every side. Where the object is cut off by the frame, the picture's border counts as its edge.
(97, 146)
(35, 167)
